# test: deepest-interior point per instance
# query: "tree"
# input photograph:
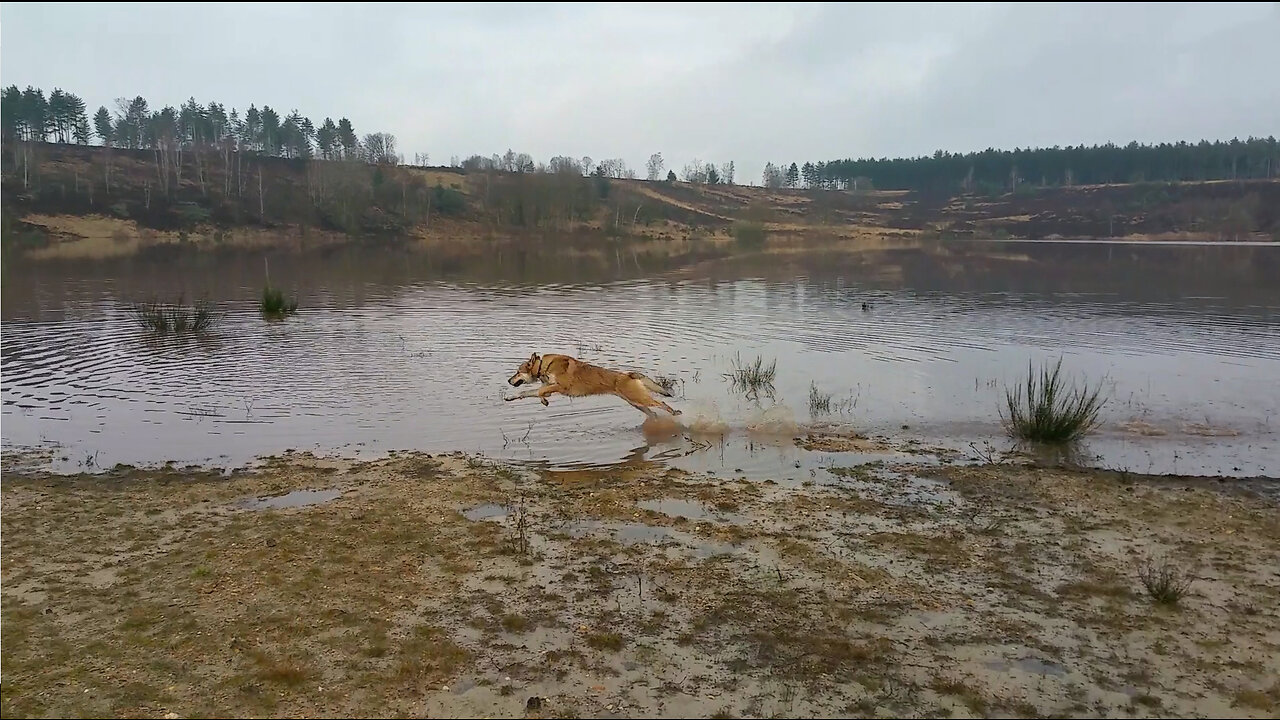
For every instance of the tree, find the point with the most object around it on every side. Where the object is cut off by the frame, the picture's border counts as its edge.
(654, 166)
(35, 115)
(380, 148)
(251, 130)
(810, 174)
(81, 130)
(671, 176)
(11, 112)
(58, 119)
(562, 165)
(327, 138)
(586, 165)
(130, 121)
(614, 168)
(728, 173)
(103, 126)
(713, 175)
(218, 122)
(773, 176)
(694, 172)
(269, 131)
(347, 138)
(793, 176)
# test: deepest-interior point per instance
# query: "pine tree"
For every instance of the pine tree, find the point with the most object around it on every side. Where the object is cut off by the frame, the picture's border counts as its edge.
(347, 138)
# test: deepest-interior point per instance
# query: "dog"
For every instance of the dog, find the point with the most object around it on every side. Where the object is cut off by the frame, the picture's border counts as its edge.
(572, 377)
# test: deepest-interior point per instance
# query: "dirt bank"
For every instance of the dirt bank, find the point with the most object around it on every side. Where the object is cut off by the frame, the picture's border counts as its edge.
(447, 587)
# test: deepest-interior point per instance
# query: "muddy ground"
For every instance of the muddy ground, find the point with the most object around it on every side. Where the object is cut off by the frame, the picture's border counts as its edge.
(450, 587)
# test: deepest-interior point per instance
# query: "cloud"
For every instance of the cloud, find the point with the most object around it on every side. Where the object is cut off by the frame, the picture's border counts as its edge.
(748, 83)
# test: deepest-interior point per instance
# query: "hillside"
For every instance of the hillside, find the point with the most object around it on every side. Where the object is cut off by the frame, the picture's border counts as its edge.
(65, 200)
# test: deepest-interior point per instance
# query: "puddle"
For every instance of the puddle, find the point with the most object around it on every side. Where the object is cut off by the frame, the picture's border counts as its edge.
(635, 533)
(488, 511)
(295, 499)
(677, 507)
(691, 510)
(1028, 665)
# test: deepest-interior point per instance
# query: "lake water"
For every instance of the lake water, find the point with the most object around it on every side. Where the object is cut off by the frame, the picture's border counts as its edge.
(391, 351)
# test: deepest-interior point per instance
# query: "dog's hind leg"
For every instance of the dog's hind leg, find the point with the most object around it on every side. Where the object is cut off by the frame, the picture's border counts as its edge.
(651, 414)
(638, 395)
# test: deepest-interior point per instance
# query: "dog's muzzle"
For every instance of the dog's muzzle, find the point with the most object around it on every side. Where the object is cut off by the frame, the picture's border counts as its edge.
(516, 381)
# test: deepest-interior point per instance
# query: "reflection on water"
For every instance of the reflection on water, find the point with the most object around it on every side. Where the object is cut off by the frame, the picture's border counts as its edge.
(385, 354)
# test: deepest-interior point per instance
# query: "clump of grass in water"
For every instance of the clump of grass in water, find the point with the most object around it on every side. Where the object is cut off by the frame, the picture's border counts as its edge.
(274, 302)
(750, 235)
(1166, 583)
(819, 402)
(177, 317)
(1050, 411)
(753, 377)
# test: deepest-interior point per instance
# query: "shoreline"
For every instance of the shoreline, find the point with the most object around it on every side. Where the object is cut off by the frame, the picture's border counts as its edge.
(453, 585)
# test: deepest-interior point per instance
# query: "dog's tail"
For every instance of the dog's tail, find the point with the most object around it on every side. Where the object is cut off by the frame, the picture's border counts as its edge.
(651, 384)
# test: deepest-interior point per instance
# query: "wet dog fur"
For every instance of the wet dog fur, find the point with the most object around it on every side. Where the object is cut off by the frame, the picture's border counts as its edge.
(570, 376)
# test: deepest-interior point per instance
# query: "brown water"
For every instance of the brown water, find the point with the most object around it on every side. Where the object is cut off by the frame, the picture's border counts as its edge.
(394, 352)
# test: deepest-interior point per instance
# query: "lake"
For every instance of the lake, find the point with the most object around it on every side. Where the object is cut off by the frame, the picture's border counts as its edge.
(395, 351)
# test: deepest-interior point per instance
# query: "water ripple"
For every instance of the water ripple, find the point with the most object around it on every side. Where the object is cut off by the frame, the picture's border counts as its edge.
(424, 365)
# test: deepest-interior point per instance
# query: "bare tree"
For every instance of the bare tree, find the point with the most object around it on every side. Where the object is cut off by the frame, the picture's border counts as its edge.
(381, 148)
(694, 172)
(655, 167)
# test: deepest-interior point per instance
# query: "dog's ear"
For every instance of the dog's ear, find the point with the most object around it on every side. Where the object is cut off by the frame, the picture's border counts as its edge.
(533, 357)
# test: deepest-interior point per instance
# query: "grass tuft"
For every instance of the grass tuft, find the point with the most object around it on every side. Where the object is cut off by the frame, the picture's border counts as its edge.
(177, 317)
(275, 303)
(819, 402)
(753, 377)
(1049, 411)
(1166, 583)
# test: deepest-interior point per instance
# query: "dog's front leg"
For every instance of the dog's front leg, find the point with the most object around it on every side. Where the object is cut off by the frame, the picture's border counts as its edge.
(525, 394)
(546, 390)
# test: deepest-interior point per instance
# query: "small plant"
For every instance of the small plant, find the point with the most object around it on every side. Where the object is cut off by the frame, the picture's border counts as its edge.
(178, 317)
(274, 302)
(750, 235)
(668, 383)
(754, 377)
(1166, 583)
(1050, 411)
(819, 402)
(517, 541)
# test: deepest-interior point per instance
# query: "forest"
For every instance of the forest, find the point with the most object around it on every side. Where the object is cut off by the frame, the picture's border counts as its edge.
(61, 117)
(996, 171)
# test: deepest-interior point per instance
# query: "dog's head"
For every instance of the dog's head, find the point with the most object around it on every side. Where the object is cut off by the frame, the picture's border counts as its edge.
(527, 372)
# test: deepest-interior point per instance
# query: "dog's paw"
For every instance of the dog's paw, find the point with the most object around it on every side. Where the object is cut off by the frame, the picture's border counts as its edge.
(545, 401)
(675, 412)
(509, 399)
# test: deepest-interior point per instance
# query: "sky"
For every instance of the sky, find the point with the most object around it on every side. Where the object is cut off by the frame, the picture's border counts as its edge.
(750, 83)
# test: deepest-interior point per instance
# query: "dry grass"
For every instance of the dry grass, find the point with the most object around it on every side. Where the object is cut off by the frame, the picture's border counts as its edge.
(1165, 582)
(149, 591)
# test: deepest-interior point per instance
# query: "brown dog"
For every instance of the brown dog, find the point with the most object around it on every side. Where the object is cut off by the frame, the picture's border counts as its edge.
(575, 378)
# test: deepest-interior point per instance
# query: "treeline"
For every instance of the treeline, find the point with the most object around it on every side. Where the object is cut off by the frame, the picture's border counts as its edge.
(29, 116)
(996, 171)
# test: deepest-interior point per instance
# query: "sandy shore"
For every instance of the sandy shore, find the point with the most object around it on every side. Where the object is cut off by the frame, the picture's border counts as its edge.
(449, 587)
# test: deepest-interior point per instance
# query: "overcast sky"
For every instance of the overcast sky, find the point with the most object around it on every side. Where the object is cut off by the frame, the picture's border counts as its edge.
(748, 83)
